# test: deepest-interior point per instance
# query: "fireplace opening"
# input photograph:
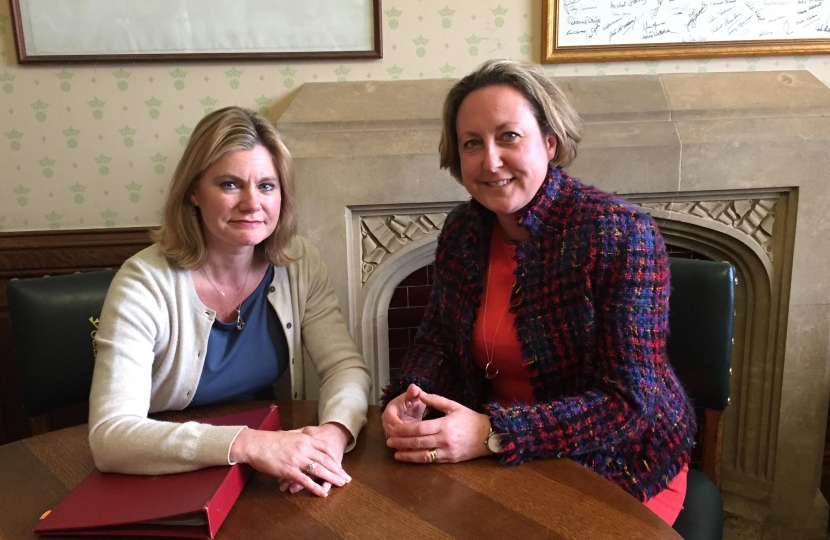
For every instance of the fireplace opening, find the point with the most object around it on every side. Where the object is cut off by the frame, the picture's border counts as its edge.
(406, 309)
(409, 301)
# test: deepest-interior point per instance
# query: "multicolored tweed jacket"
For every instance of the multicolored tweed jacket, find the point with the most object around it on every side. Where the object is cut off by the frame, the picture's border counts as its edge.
(591, 305)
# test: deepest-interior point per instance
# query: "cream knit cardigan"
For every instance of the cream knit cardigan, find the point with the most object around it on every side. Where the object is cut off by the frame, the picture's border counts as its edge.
(151, 344)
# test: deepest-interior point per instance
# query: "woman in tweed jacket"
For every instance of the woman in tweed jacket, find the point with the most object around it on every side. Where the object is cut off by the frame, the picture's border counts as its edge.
(545, 333)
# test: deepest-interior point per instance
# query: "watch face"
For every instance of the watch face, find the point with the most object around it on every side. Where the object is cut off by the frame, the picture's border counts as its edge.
(493, 442)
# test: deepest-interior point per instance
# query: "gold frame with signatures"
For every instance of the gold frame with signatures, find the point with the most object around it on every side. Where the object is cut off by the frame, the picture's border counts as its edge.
(552, 53)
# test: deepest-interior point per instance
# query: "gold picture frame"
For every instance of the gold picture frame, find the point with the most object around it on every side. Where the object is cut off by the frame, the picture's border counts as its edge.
(705, 22)
(61, 31)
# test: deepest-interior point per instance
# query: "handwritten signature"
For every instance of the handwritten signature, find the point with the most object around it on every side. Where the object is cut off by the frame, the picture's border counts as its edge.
(652, 26)
(624, 28)
(805, 21)
(655, 10)
(757, 12)
(612, 23)
(655, 33)
(573, 21)
(694, 16)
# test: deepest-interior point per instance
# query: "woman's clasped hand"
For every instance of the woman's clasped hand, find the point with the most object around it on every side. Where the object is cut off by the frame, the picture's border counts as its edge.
(459, 435)
(299, 458)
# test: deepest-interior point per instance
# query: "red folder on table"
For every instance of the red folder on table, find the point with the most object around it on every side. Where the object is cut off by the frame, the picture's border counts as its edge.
(185, 505)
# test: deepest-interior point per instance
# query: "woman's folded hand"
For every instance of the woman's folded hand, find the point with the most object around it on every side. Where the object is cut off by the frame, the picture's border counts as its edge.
(292, 456)
(458, 436)
(336, 435)
(405, 408)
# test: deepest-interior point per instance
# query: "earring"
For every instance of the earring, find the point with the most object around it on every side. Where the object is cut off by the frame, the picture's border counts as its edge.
(193, 210)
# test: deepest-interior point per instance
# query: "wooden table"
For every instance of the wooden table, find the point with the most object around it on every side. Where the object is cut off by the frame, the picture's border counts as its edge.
(480, 499)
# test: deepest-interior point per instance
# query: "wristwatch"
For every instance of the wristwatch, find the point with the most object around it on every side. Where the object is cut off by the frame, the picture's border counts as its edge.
(493, 442)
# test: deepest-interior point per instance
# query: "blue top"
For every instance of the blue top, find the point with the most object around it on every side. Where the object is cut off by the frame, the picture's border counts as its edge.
(241, 363)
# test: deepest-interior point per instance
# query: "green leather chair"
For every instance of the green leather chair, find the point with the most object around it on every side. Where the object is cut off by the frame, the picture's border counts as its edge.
(53, 323)
(701, 309)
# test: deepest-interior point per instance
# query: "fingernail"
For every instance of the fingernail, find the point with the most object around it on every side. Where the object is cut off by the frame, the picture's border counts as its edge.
(295, 490)
(348, 478)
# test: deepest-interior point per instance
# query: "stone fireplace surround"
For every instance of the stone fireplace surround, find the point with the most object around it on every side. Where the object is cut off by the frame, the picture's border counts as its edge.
(732, 165)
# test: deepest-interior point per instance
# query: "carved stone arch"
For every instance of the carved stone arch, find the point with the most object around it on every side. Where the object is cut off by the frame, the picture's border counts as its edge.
(754, 232)
(751, 421)
(373, 332)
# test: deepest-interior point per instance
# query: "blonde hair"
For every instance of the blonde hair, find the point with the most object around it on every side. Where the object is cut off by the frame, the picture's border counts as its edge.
(230, 129)
(554, 113)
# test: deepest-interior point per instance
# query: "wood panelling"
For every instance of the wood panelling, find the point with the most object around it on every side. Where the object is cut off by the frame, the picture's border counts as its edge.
(50, 253)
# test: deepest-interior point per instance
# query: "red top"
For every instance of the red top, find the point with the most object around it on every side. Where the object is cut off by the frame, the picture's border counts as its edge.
(499, 336)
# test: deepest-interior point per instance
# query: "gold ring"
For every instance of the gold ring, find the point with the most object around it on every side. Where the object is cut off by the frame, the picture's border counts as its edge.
(311, 466)
(433, 455)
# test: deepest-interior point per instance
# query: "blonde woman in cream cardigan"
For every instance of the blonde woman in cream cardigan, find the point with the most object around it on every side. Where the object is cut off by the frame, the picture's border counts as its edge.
(216, 310)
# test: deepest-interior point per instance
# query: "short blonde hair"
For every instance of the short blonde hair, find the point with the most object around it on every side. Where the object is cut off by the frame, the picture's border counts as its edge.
(181, 237)
(554, 113)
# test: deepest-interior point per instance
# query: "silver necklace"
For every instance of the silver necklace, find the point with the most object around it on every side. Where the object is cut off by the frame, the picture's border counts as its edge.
(490, 352)
(240, 324)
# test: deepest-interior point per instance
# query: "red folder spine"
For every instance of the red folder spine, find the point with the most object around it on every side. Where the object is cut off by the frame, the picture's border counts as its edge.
(218, 507)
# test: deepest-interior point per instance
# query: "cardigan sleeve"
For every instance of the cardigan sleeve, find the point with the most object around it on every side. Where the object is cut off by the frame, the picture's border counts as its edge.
(344, 378)
(631, 317)
(135, 325)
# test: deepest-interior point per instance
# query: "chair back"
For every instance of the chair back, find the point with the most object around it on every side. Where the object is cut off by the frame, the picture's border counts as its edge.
(699, 347)
(54, 320)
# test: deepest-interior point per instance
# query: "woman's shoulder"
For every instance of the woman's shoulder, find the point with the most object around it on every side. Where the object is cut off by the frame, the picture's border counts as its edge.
(150, 268)
(305, 259)
(147, 279)
(464, 218)
(301, 249)
(605, 209)
(151, 255)
(150, 260)
(461, 212)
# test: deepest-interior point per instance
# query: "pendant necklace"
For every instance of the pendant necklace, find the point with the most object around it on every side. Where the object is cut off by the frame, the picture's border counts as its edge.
(240, 324)
(490, 351)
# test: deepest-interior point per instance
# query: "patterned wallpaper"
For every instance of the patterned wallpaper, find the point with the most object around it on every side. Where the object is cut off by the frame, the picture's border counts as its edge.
(95, 146)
